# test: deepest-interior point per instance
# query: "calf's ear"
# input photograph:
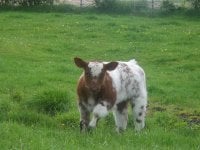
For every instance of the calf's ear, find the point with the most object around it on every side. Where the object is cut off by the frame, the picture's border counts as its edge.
(111, 66)
(80, 63)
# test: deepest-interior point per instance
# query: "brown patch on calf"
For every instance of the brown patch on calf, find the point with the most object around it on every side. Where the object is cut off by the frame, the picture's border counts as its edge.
(99, 88)
(121, 106)
(94, 83)
(106, 92)
(82, 90)
(80, 63)
(110, 66)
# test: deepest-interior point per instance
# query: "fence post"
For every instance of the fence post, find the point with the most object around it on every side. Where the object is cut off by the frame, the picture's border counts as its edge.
(81, 3)
(152, 7)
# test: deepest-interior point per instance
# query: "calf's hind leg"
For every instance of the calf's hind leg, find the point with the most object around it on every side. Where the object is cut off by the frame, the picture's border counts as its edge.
(139, 112)
(121, 116)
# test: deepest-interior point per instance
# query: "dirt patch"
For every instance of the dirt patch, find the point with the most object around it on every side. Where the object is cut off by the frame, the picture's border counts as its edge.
(191, 119)
(158, 108)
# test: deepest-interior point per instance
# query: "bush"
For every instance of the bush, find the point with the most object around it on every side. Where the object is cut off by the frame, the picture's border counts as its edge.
(105, 4)
(50, 102)
(25, 2)
(120, 6)
(195, 4)
(140, 5)
(168, 6)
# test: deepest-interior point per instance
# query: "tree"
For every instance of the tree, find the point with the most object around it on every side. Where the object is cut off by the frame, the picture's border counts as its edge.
(195, 4)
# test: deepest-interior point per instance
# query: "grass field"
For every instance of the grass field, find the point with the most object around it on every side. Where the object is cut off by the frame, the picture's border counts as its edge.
(38, 79)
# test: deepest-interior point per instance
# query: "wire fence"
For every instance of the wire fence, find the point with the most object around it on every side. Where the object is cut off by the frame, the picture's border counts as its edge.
(153, 4)
(131, 4)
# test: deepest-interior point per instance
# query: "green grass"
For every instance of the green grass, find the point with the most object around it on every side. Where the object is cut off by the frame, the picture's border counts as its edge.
(37, 76)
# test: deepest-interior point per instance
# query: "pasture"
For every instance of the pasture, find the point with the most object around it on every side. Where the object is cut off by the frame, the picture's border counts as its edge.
(38, 79)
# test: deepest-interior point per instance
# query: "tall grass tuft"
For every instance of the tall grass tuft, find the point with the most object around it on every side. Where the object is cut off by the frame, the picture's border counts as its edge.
(50, 102)
(16, 96)
(31, 118)
(5, 107)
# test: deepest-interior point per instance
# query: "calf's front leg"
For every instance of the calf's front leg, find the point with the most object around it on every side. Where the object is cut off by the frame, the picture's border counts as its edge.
(99, 111)
(84, 117)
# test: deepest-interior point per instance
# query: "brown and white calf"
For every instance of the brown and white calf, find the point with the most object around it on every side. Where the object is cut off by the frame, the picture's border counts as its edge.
(105, 86)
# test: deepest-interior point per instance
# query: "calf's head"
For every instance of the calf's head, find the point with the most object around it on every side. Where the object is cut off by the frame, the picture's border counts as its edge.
(94, 72)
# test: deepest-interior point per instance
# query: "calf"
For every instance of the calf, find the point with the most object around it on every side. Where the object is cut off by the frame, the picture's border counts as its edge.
(105, 86)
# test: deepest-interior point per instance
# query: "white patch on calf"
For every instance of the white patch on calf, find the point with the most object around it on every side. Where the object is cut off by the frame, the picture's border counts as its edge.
(99, 111)
(96, 68)
(129, 81)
